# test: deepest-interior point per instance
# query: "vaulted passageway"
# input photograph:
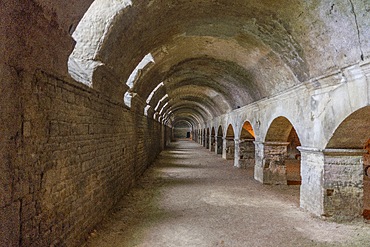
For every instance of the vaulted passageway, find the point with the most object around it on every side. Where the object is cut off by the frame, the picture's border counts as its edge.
(191, 197)
(92, 92)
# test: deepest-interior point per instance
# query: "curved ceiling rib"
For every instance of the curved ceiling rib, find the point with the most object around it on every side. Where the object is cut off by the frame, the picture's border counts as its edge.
(190, 105)
(198, 108)
(184, 114)
(183, 124)
(189, 120)
(212, 56)
(215, 102)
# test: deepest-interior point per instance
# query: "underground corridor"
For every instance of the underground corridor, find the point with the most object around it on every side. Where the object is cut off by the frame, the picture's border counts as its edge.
(184, 123)
(191, 197)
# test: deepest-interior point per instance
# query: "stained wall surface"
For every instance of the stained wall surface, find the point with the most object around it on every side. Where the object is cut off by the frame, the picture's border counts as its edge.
(68, 152)
(75, 155)
(71, 147)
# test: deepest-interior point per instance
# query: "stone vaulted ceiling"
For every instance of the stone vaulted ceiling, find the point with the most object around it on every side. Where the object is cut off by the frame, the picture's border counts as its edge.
(214, 56)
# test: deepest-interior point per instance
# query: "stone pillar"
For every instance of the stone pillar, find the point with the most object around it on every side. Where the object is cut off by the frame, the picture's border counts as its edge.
(228, 148)
(218, 145)
(212, 144)
(332, 182)
(236, 153)
(246, 153)
(224, 148)
(207, 141)
(275, 154)
(259, 161)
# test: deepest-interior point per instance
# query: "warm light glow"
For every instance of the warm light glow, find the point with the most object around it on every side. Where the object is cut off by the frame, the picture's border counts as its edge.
(248, 127)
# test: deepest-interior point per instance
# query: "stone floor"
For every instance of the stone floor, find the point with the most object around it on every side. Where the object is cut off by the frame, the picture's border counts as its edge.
(192, 197)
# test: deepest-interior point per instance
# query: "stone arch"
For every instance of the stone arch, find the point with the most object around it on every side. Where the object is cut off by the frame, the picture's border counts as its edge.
(246, 146)
(230, 131)
(353, 132)
(347, 156)
(247, 131)
(281, 155)
(229, 145)
(89, 35)
(135, 76)
(219, 140)
(279, 130)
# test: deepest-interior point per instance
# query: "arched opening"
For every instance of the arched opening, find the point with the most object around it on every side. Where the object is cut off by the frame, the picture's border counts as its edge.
(293, 161)
(207, 139)
(213, 140)
(282, 158)
(246, 146)
(182, 130)
(134, 76)
(229, 151)
(347, 168)
(219, 141)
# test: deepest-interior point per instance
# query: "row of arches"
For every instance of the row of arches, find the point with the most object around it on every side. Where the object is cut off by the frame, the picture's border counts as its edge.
(281, 156)
(333, 181)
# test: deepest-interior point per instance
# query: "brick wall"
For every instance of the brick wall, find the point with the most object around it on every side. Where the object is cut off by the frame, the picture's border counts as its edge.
(247, 153)
(76, 154)
(181, 132)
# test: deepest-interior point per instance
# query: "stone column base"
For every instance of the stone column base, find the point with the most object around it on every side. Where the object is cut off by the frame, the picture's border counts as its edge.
(332, 182)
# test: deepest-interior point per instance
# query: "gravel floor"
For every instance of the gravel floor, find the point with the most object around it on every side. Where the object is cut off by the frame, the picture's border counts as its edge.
(192, 197)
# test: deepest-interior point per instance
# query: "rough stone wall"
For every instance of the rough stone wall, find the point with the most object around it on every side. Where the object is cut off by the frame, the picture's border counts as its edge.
(294, 142)
(219, 145)
(75, 155)
(367, 183)
(9, 208)
(180, 132)
(247, 153)
(343, 185)
(311, 197)
(213, 143)
(230, 148)
(293, 171)
(207, 141)
(275, 169)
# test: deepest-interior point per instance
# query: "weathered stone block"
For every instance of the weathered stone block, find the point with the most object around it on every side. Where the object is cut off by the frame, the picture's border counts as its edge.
(10, 225)
(105, 81)
(343, 184)
(312, 166)
(275, 154)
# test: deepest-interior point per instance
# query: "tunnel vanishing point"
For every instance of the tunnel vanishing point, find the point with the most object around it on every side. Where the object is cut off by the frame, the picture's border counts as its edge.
(92, 91)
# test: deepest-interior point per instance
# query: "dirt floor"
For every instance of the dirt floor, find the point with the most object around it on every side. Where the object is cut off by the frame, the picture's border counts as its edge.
(192, 197)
